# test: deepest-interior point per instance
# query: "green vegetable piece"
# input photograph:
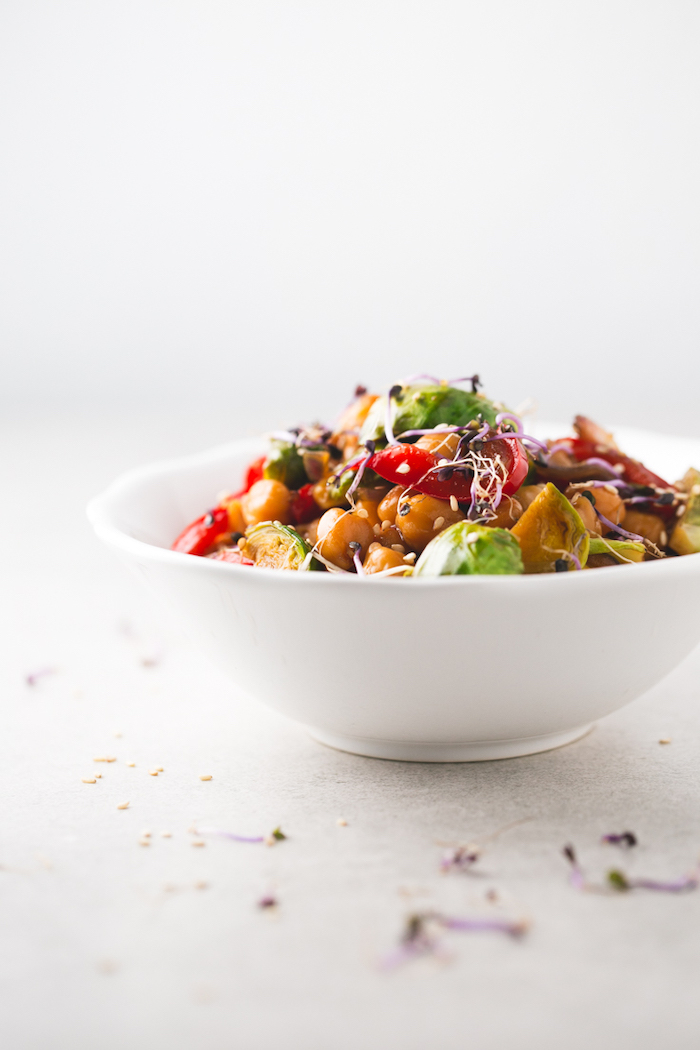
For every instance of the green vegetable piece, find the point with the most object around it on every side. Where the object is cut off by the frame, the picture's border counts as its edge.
(551, 531)
(466, 549)
(276, 546)
(618, 880)
(279, 835)
(423, 407)
(284, 464)
(685, 538)
(334, 491)
(621, 550)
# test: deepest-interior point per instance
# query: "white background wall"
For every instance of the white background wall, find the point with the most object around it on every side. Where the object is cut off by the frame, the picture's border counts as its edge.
(246, 208)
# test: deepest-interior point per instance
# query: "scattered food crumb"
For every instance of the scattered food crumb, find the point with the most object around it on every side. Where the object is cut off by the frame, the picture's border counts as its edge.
(153, 772)
(198, 842)
(201, 885)
(123, 805)
(145, 834)
(131, 763)
(665, 740)
(118, 733)
(166, 834)
(105, 758)
(98, 776)
(144, 842)
(159, 769)
(267, 902)
(106, 967)
(341, 822)
(89, 780)
(206, 776)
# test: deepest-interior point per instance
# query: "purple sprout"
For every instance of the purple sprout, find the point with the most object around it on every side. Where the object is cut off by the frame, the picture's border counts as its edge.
(576, 878)
(512, 418)
(421, 935)
(626, 839)
(514, 928)
(459, 858)
(35, 676)
(619, 881)
(616, 528)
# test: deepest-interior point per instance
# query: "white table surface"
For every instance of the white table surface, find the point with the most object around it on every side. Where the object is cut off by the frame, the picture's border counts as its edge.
(108, 944)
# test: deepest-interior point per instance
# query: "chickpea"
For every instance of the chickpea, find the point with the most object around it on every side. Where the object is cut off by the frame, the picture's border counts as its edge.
(236, 521)
(508, 512)
(267, 500)
(390, 535)
(337, 529)
(440, 444)
(425, 518)
(381, 558)
(309, 531)
(387, 508)
(651, 526)
(527, 494)
(607, 501)
(587, 513)
(369, 506)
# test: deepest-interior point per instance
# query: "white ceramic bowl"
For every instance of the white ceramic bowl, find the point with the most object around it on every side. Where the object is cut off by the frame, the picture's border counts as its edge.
(449, 669)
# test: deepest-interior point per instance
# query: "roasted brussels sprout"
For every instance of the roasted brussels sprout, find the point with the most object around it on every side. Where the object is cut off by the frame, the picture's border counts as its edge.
(285, 464)
(277, 546)
(332, 492)
(685, 538)
(421, 407)
(551, 533)
(466, 548)
(623, 551)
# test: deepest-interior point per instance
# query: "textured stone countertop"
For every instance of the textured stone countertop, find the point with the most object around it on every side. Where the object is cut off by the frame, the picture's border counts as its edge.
(110, 944)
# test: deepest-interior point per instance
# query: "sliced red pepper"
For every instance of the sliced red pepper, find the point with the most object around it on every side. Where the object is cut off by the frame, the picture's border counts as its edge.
(303, 506)
(634, 472)
(254, 473)
(200, 535)
(414, 467)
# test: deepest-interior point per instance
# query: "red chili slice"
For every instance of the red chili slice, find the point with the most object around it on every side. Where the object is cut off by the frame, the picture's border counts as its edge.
(200, 535)
(634, 472)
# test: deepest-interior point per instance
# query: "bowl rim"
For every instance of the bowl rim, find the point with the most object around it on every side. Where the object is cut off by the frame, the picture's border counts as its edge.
(99, 514)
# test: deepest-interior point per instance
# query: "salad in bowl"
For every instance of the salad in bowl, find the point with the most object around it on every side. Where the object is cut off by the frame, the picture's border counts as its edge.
(414, 582)
(435, 479)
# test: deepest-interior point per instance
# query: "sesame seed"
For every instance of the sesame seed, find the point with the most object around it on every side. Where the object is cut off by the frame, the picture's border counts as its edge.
(362, 513)
(665, 740)
(145, 834)
(123, 805)
(443, 462)
(410, 557)
(663, 538)
(131, 763)
(153, 772)
(399, 548)
(438, 523)
(159, 768)
(374, 547)
(269, 840)
(198, 842)
(611, 489)
(166, 834)
(472, 537)
(341, 822)
(403, 468)
(376, 529)
(201, 885)
(89, 780)
(206, 776)
(118, 733)
(454, 505)
(695, 491)
(144, 842)
(99, 776)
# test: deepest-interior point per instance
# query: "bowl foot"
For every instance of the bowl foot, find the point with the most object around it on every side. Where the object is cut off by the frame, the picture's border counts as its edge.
(477, 751)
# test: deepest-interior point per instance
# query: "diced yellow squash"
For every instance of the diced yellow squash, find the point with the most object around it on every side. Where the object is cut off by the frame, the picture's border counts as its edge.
(551, 530)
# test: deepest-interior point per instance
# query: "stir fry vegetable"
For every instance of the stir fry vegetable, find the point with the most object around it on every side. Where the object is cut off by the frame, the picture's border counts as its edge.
(432, 479)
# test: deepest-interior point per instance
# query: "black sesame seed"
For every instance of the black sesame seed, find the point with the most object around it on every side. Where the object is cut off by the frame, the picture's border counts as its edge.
(236, 536)
(665, 498)
(354, 545)
(395, 390)
(404, 509)
(209, 519)
(589, 496)
(360, 390)
(561, 565)
(445, 473)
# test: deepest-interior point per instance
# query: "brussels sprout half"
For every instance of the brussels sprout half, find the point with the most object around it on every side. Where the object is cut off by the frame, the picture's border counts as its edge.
(466, 549)
(551, 533)
(275, 546)
(685, 538)
(285, 464)
(423, 407)
(622, 551)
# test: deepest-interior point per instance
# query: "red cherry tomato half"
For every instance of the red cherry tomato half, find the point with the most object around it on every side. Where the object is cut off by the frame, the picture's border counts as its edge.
(303, 506)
